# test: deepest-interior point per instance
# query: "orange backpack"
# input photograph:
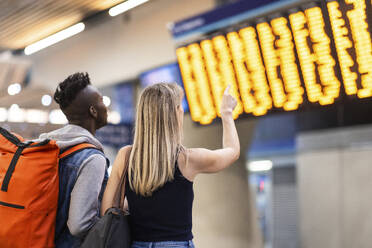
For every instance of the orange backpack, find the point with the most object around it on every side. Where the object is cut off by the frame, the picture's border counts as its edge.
(29, 187)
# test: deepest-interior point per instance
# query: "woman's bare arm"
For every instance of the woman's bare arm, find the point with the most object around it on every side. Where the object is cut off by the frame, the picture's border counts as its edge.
(114, 180)
(201, 160)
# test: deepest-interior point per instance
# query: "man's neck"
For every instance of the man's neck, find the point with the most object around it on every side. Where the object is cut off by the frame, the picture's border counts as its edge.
(86, 125)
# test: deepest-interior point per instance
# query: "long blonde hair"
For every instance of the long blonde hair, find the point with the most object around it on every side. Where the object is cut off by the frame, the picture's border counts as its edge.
(157, 138)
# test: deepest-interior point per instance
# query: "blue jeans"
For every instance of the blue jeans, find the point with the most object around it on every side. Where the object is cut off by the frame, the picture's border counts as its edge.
(163, 244)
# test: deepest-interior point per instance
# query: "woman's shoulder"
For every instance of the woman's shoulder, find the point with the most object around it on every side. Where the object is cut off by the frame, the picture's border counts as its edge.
(120, 159)
(123, 152)
(124, 149)
(183, 163)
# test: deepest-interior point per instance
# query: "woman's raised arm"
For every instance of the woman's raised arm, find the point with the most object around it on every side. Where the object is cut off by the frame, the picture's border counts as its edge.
(201, 160)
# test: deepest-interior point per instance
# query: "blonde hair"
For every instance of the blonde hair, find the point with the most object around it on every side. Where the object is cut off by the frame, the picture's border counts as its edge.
(157, 138)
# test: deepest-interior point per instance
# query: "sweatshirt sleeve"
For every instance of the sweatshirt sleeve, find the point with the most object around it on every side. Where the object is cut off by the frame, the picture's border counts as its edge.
(84, 204)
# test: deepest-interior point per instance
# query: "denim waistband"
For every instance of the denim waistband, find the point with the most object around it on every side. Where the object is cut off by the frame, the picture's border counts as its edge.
(163, 244)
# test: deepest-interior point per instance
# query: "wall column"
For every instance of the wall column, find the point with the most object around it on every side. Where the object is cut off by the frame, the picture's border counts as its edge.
(224, 208)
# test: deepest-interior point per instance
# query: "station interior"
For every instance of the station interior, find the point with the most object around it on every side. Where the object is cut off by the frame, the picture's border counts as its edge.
(301, 71)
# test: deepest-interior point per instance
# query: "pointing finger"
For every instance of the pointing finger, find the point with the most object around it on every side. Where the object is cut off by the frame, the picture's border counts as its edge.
(227, 89)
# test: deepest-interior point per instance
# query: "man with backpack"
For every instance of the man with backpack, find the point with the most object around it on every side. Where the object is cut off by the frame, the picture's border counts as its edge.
(51, 188)
(83, 168)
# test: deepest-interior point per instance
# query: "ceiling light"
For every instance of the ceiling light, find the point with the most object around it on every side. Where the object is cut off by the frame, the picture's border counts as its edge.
(14, 89)
(3, 114)
(125, 6)
(56, 116)
(106, 101)
(57, 37)
(46, 100)
(262, 165)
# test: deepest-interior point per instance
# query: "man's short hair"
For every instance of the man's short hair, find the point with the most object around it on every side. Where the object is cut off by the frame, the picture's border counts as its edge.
(67, 90)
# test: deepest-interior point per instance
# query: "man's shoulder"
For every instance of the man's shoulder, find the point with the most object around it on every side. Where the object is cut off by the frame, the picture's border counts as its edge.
(86, 155)
(94, 162)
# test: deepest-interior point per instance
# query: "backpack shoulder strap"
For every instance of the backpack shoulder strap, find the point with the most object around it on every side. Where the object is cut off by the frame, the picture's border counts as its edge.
(76, 148)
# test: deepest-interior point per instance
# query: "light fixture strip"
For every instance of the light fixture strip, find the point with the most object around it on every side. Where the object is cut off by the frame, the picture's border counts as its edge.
(53, 39)
(262, 165)
(125, 6)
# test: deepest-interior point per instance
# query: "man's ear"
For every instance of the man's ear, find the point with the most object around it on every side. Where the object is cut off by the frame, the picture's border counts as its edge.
(93, 112)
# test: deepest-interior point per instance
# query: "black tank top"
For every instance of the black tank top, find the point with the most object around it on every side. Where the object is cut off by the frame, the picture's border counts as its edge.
(164, 216)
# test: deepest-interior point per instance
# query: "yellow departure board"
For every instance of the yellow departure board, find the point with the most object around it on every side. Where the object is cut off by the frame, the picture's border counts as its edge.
(312, 55)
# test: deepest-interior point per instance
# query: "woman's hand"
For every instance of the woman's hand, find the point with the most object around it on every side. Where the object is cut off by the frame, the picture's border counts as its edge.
(228, 103)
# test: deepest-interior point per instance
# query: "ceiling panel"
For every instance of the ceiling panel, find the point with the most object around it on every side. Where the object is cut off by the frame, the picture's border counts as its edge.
(29, 98)
(23, 22)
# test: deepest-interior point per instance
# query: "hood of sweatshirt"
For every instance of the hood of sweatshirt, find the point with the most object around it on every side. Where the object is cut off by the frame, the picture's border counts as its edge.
(71, 135)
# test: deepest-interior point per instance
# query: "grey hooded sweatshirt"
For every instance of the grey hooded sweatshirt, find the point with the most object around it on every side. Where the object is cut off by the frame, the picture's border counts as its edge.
(84, 196)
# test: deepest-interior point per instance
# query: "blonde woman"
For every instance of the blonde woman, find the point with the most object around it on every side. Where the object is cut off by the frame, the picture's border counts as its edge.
(159, 187)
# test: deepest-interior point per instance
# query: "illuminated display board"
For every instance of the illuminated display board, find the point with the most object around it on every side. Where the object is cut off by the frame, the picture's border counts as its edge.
(313, 55)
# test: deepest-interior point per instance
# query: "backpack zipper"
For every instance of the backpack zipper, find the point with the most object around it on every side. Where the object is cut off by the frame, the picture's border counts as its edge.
(9, 136)
(21, 146)
(13, 163)
(12, 138)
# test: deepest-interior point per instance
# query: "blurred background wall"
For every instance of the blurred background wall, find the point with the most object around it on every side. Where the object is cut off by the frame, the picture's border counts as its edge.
(334, 181)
